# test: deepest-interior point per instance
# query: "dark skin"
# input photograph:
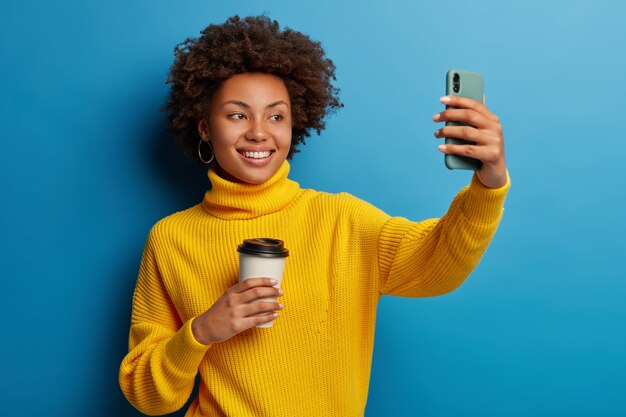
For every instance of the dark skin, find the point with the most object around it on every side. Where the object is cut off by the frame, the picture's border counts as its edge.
(236, 310)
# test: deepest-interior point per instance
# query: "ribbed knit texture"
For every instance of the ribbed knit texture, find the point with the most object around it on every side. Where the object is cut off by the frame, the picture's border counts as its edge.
(316, 359)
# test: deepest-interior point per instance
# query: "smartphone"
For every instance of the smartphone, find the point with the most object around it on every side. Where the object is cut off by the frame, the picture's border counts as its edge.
(465, 84)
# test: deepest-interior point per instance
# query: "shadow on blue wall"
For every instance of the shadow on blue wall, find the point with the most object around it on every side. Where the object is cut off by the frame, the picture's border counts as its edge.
(185, 182)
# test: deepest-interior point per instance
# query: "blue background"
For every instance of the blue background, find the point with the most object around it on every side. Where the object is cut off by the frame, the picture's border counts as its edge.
(87, 168)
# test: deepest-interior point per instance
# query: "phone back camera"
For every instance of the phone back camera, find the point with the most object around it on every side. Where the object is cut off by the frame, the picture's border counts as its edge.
(456, 82)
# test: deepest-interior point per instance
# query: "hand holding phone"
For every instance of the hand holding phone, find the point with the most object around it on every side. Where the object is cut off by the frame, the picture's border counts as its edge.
(474, 138)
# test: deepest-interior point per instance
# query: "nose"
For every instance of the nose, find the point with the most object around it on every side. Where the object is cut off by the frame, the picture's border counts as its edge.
(257, 131)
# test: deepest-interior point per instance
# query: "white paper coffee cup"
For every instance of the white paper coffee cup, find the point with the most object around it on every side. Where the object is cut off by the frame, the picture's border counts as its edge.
(262, 258)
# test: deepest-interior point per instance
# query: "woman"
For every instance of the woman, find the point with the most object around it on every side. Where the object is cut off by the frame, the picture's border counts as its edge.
(244, 96)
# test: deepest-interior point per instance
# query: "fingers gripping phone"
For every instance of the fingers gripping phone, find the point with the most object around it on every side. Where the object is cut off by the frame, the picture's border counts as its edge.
(465, 84)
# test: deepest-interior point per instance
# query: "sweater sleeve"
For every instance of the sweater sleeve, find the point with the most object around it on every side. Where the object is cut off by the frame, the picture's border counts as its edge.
(434, 257)
(158, 373)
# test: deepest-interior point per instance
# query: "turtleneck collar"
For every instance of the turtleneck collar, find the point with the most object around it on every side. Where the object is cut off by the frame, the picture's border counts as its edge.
(238, 201)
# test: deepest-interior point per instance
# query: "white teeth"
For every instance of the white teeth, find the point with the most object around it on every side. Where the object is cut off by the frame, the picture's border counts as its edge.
(256, 155)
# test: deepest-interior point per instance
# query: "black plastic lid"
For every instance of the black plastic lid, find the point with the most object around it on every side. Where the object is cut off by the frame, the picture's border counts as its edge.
(264, 246)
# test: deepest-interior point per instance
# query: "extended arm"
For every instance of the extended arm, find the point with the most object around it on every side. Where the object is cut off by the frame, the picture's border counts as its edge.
(435, 256)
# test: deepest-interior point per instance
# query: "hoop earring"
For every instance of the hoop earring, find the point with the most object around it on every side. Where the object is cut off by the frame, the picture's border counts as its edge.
(200, 152)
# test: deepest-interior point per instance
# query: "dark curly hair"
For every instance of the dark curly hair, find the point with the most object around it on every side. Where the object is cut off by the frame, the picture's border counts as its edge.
(252, 44)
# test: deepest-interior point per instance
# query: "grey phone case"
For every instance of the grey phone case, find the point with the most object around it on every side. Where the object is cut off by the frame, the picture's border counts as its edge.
(471, 86)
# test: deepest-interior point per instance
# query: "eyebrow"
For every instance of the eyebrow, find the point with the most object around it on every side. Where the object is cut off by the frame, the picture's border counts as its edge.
(247, 106)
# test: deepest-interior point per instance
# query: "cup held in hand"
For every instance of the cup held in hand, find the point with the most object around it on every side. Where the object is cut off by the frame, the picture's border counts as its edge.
(262, 257)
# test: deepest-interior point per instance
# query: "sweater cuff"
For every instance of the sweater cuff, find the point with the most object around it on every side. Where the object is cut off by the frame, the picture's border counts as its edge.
(184, 351)
(483, 205)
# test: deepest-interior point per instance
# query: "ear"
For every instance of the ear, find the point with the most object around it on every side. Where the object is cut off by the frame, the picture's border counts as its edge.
(203, 128)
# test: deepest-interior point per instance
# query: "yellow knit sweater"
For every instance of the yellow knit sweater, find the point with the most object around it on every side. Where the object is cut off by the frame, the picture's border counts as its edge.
(316, 359)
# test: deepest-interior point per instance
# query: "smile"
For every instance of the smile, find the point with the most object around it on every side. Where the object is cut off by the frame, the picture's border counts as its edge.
(256, 155)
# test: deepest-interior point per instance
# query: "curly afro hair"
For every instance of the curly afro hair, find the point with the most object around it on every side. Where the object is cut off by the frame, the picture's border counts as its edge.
(252, 44)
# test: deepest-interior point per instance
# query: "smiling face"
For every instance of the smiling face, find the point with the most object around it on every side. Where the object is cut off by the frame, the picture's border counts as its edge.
(249, 127)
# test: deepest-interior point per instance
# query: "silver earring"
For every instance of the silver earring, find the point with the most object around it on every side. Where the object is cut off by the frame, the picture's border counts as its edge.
(200, 152)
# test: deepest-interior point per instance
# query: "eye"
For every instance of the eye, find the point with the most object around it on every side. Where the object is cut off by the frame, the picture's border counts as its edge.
(277, 117)
(237, 116)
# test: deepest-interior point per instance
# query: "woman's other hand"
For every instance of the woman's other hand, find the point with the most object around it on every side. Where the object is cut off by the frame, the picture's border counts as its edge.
(237, 310)
(484, 129)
